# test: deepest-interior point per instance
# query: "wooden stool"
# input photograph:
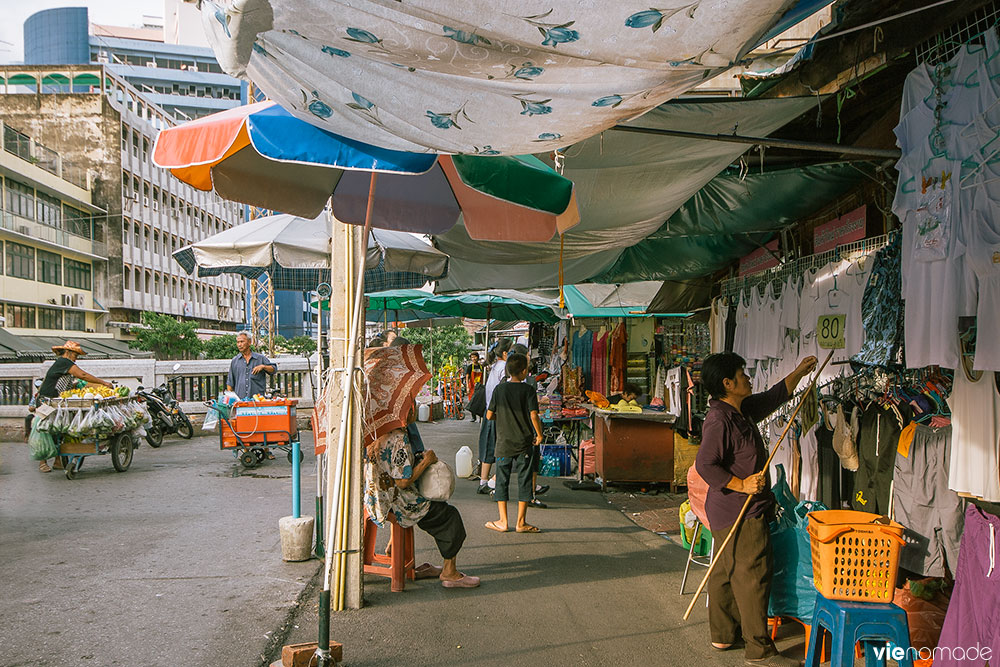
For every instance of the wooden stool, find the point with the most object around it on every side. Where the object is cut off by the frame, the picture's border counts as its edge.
(398, 566)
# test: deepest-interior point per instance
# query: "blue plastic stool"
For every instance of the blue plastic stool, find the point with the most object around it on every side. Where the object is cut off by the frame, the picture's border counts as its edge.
(872, 623)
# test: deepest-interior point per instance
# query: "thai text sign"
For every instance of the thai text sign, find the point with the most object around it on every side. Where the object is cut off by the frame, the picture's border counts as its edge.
(845, 229)
(758, 260)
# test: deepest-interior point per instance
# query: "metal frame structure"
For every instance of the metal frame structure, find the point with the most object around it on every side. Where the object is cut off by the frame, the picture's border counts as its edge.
(944, 45)
(731, 287)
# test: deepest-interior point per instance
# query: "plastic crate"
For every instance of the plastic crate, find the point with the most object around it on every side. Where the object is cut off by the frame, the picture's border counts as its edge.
(555, 461)
(855, 555)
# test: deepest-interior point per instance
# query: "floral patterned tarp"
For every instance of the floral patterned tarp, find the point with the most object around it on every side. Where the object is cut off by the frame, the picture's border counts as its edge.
(479, 76)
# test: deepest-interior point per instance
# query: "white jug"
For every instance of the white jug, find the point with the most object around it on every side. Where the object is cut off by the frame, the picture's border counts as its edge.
(463, 462)
(424, 412)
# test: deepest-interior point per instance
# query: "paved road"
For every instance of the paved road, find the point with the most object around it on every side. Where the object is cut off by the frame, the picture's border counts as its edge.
(176, 561)
(592, 589)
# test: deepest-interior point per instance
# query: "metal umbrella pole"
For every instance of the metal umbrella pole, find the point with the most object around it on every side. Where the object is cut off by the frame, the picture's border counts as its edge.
(323, 652)
(739, 519)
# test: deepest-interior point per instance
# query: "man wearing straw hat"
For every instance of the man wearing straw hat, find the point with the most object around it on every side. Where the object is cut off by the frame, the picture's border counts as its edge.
(732, 460)
(60, 377)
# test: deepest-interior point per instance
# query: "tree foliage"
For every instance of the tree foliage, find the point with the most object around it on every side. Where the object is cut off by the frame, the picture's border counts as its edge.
(220, 347)
(450, 343)
(302, 346)
(167, 337)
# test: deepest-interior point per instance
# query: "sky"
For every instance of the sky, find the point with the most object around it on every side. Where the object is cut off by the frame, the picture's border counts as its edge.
(108, 12)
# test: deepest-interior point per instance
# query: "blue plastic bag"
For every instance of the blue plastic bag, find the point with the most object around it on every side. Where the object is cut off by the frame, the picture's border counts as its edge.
(792, 590)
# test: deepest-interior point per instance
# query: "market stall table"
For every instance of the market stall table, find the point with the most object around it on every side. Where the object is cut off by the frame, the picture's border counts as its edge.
(634, 446)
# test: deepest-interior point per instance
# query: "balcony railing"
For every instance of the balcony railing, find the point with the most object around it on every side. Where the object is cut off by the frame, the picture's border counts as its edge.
(206, 387)
(19, 144)
(15, 391)
(58, 236)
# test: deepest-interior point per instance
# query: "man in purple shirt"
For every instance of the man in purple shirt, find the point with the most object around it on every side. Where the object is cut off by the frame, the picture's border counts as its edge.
(731, 460)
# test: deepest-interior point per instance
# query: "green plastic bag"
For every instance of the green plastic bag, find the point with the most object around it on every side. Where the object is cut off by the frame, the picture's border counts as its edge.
(40, 443)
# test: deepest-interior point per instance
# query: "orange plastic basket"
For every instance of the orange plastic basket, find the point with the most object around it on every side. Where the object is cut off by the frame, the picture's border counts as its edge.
(855, 555)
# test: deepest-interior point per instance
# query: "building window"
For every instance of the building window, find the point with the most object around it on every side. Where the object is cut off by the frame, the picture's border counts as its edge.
(20, 261)
(20, 316)
(156, 242)
(149, 283)
(137, 237)
(48, 210)
(156, 284)
(49, 267)
(20, 199)
(145, 238)
(76, 320)
(137, 280)
(77, 274)
(79, 222)
(127, 278)
(50, 318)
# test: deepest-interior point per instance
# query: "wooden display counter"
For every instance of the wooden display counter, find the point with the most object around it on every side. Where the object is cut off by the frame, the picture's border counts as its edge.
(634, 447)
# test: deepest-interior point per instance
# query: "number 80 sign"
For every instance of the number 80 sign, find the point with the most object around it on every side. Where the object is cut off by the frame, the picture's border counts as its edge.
(830, 331)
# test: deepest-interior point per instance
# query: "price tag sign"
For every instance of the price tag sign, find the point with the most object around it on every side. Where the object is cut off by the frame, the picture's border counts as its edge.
(830, 331)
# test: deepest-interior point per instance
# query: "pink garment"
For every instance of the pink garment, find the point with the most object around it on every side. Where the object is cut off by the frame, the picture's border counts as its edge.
(599, 364)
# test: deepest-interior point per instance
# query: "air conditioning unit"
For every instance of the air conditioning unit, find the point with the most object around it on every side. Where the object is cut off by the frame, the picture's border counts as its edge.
(156, 205)
(67, 299)
(78, 301)
(135, 196)
(145, 201)
(23, 229)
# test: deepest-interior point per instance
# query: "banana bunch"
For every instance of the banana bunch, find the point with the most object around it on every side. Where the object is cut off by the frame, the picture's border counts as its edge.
(90, 391)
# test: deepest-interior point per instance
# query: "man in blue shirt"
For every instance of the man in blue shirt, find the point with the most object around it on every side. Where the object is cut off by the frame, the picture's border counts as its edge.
(248, 370)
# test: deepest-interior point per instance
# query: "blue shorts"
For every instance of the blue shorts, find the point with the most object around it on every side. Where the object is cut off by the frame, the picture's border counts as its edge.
(488, 441)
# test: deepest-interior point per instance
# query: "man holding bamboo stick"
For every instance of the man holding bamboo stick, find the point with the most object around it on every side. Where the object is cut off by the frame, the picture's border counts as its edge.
(732, 460)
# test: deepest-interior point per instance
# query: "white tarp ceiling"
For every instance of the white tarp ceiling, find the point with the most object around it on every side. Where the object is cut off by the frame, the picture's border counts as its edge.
(479, 76)
(627, 185)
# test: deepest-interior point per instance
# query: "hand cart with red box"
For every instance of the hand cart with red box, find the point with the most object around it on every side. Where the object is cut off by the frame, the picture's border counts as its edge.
(252, 428)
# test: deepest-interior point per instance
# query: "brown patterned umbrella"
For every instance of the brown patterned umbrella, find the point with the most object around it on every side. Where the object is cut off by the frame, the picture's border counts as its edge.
(395, 376)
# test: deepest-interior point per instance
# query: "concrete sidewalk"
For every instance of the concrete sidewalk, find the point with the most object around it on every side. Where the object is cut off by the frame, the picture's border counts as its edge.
(592, 589)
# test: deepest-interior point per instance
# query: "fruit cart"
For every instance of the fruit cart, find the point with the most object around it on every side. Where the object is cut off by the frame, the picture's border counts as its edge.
(82, 427)
(252, 428)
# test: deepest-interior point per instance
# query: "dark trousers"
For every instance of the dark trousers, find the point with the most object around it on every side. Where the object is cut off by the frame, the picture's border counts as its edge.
(443, 522)
(521, 466)
(740, 586)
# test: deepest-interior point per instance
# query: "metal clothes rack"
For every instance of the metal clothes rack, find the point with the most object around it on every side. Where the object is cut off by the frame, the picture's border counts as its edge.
(943, 46)
(731, 287)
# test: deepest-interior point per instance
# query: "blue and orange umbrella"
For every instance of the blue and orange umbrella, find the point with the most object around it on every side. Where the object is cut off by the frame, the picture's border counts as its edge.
(262, 155)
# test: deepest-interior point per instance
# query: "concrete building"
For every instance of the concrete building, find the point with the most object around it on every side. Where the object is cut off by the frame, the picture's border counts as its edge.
(182, 79)
(50, 254)
(148, 214)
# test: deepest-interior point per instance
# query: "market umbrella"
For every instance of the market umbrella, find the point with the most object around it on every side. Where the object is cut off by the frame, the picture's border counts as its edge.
(485, 306)
(394, 377)
(295, 253)
(262, 155)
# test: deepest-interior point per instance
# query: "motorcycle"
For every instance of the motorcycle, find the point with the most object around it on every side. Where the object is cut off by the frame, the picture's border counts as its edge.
(166, 414)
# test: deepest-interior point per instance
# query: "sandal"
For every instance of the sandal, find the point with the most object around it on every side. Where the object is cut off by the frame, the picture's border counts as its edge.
(43, 466)
(426, 571)
(467, 581)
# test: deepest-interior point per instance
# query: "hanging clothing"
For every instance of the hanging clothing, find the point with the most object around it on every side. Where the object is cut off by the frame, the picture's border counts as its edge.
(742, 335)
(673, 391)
(983, 258)
(882, 309)
(599, 363)
(829, 467)
(973, 618)
(788, 454)
(617, 360)
(877, 441)
(809, 471)
(922, 501)
(975, 437)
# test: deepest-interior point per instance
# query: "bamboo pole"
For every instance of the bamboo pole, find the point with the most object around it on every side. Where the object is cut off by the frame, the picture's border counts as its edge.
(739, 519)
(338, 470)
